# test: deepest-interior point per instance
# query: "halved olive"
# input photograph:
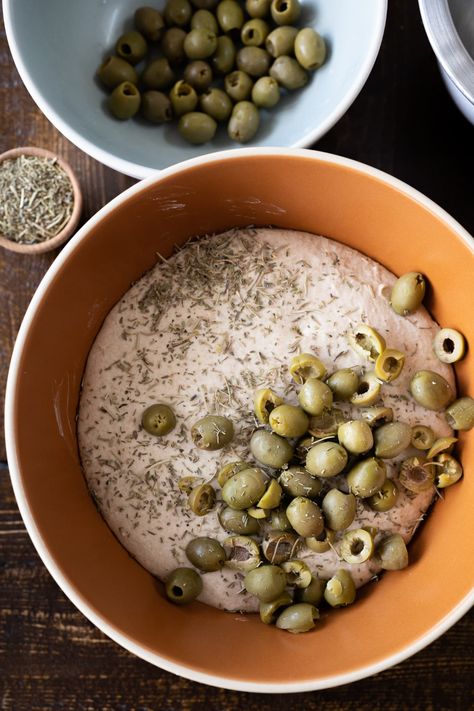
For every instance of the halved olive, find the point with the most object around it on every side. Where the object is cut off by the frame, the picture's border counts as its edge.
(266, 582)
(392, 553)
(431, 390)
(212, 432)
(242, 553)
(443, 444)
(297, 573)
(205, 553)
(326, 459)
(270, 449)
(368, 390)
(392, 439)
(340, 589)
(339, 509)
(158, 420)
(460, 415)
(305, 516)
(313, 593)
(298, 618)
(449, 473)
(326, 424)
(407, 293)
(183, 585)
(315, 397)
(278, 546)
(449, 345)
(367, 477)
(272, 496)
(385, 498)
(238, 521)
(202, 499)
(389, 364)
(321, 543)
(245, 488)
(304, 366)
(187, 483)
(343, 383)
(355, 436)
(377, 416)
(257, 513)
(416, 474)
(366, 341)
(265, 400)
(296, 481)
(288, 421)
(229, 469)
(357, 546)
(269, 610)
(422, 437)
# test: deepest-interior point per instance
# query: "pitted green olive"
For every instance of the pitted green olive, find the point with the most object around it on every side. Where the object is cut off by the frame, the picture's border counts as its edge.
(368, 390)
(244, 489)
(242, 553)
(296, 481)
(392, 439)
(298, 618)
(270, 449)
(310, 48)
(315, 397)
(377, 416)
(367, 477)
(449, 345)
(201, 499)
(339, 509)
(385, 498)
(264, 401)
(460, 415)
(288, 73)
(270, 610)
(285, 12)
(278, 546)
(416, 474)
(297, 573)
(355, 436)
(272, 496)
(304, 366)
(340, 590)
(422, 437)
(266, 582)
(326, 459)
(357, 546)
(392, 553)
(431, 390)
(449, 472)
(343, 383)
(229, 469)
(288, 421)
(313, 593)
(326, 424)
(367, 341)
(183, 585)
(407, 293)
(206, 554)
(389, 365)
(240, 522)
(281, 41)
(212, 432)
(158, 420)
(305, 516)
(323, 542)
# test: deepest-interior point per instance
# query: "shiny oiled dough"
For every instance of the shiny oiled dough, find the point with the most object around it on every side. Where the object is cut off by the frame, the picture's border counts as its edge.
(200, 332)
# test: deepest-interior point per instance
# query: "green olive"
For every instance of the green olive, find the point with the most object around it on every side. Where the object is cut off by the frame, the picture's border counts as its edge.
(131, 46)
(392, 439)
(200, 43)
(272, 496)
(172, 45)
(313, 593)
(279, 520)
(239, 522)
(156, 107)
(264, 401)
(158, 74)
(281, 41)
(407, 293)
(238, 85)
(377, 416)
(149, 23)
(368, 390)
(416, 474)
(266, 582)
(115, 71)
(242, 553)
(254, 61)
(443, 444)
(223, 60)
(389, 365)
(340, 590)
(392, 553)
(229, 469)
(296, 481)
(288, 73)
(279, 546)
(254, 32)
(449, 473)
(326, 424)
(357, 546)
(310, 48)
(230, 16)
(355, 436)
(202, 499)
(449, 345)
(124, 101)
(197, 128)
(258, 8)
(288, 421)
(339, 509)
(216, 103)
(244, 489)
(385, 498)
(183, 585)
(178, 13)
(304, 366)
(305, 516)
(422, 437)
(266, 93)
(367, 477)
(460, 415)
(205, 20)
(158, 420)
(343, 383)
(315, 397)
(298, 618)
(270, 449)
(285, 12)
(258, 514)
(297, 573)
(212, 432)
(206, 554)
(199, 75)
(367, 341)
(326, 459)
(321, 543)
(431, 390)
(269, 610)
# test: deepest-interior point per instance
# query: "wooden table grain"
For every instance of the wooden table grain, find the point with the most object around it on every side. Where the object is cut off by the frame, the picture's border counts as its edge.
(51, 657)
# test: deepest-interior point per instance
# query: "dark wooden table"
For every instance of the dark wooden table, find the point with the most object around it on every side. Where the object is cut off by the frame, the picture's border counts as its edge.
(51, 657)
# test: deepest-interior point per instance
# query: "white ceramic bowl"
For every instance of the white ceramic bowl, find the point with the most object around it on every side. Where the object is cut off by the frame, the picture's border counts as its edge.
(58, 45)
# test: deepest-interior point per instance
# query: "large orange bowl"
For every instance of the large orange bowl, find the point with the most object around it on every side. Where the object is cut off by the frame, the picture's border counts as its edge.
(310, 191)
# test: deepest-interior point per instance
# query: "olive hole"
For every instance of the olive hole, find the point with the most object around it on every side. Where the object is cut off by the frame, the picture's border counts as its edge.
(177, 591)
(448, 345)
(126, 49)
(250, 34)
(417, 474)
(363, 388)
(184, 90)
(129, 91)
(282, 6)
(390, 365)
(357, 547)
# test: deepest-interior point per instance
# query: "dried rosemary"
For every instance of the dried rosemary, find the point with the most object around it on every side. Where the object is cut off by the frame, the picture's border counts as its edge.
(36, 199)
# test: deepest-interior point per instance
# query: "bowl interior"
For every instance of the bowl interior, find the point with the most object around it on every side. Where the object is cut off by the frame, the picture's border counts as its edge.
(59, 46)
(346, 204)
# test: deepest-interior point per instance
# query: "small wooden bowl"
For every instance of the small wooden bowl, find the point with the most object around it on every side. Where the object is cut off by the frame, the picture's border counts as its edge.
(69, 228)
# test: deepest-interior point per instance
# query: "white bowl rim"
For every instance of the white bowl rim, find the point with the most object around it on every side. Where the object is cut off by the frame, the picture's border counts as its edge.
(135, 170)
(14, 375)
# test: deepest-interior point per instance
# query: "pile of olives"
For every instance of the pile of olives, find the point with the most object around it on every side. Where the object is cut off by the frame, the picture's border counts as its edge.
(210, 62)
